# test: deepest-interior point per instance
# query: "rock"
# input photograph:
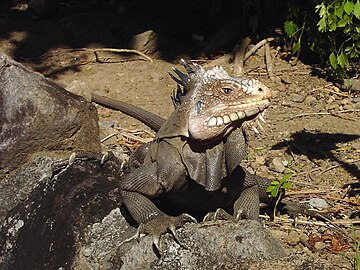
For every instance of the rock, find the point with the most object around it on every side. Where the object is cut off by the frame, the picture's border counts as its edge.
(310, 100)
(318, 203)
(80, 88)
(42, 230)
(38, 115)
(286, 79)
(146, 42)
(293, 238)
(276, 164)
(297, 97)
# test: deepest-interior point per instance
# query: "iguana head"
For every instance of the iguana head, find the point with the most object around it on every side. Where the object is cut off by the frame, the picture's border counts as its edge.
(212, 103)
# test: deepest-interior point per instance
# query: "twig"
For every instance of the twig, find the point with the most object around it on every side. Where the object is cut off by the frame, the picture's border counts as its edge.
(268, 60)
(118, 51)
(324, 113)
(108, 137)
(343, 200)
(257, 46)
(310, 191)
(240, 56)
(324, 88)
(136, 138)
(316, 223)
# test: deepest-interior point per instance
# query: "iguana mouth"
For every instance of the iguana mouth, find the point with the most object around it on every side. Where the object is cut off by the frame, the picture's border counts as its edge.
(254, 109)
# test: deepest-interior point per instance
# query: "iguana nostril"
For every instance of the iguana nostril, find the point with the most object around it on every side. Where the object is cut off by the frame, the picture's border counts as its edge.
(260, 89)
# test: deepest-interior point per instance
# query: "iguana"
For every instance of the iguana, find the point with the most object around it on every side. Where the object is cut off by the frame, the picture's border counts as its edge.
(193, 162)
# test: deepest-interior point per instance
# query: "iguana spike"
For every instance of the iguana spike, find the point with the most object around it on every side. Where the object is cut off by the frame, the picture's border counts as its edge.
(182, 76)
(186, 65)
(177, 79)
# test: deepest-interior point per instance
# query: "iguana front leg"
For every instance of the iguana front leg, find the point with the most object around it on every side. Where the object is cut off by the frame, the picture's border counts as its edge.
(247, 205)
(150, 181)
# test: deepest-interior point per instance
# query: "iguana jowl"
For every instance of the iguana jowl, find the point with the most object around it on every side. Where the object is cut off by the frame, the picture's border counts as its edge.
(193, 162)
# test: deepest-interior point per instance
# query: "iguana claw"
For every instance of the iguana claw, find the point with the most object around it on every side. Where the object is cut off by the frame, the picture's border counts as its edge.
(218, 214)
(162, 224)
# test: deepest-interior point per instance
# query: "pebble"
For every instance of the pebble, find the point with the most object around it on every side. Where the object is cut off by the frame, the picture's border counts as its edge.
(286, 79)
(297, 97)
(276, 164)
(318, 203)
(293, 238)
(310, 100)
(320, 245)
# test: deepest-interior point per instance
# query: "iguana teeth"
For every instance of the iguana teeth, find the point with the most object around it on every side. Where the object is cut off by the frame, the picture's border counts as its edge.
(212, 122)
(227, 119)
(219, 121)
(259, 125)
(261, 118)
(252, 112)
(233, 117)
(241, 115)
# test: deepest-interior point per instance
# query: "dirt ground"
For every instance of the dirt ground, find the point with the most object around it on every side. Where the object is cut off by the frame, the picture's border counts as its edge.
(312, 129)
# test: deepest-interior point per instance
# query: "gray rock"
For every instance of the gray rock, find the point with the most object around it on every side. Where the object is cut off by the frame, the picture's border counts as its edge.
(38, 115)
(297, 97)
(146, 42)
(277, 164)
(293, 238)
(286, 79)
(310, 100)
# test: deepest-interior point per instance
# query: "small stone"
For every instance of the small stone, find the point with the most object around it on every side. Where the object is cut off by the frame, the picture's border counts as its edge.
(80, 88)
(281, 88)
(318, 203)
(310, 100)
(345, 101)
(297, 97)
(356, 100)
(293, 238)
(320, 245)
(260, 160)
(286, 79)
(276, 164)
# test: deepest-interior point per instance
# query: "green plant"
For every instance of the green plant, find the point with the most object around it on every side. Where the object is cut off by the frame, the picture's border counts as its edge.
(340, 19)
(330, 29)
(356, 249)
(278, 186)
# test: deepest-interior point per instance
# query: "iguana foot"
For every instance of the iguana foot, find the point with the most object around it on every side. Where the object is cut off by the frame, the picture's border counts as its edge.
(218, 214)
(161, 225)
(82, 155)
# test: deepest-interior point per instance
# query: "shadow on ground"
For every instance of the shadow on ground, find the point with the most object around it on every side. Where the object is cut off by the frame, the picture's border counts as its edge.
(320, 146)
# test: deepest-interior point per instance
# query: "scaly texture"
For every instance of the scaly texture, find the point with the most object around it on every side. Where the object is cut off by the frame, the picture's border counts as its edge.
(192, 165)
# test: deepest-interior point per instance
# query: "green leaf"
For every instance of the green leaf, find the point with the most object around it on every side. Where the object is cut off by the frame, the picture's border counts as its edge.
(357, 9)
(343, 22)
(287, 185)
(286, 177)
(274, 193)
(321, 9)
(349, 7)
(333, 60)
(342, 60)
(340, 11)
(322, 25)
(296, 46)
(275, 183)
(290, 28)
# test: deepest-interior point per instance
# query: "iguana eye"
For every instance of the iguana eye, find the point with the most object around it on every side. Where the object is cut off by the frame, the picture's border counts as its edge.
(226, 90)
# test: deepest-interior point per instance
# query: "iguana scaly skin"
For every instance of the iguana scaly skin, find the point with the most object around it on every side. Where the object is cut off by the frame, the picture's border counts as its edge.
(193, 162)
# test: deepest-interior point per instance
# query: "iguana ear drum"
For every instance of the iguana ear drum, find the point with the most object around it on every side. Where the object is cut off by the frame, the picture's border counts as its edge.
(198, 107)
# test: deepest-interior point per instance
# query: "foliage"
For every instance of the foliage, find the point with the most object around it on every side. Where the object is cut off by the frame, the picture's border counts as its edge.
(331, 29)
(278, 185)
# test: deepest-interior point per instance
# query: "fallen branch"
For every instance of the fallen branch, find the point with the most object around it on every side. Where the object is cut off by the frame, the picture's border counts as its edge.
(117, 51)
(257, 46)
(239, 57)
(268, 61)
